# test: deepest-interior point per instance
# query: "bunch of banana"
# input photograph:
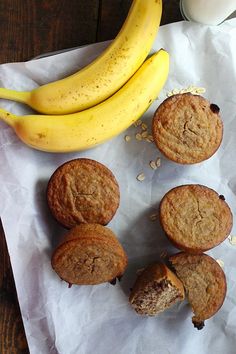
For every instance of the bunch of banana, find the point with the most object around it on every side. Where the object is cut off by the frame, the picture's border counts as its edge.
(107, 96)
(82, 130)
(107, 74)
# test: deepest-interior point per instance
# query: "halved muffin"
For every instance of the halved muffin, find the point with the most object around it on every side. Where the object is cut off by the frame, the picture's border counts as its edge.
(204, 282)
(155, 290)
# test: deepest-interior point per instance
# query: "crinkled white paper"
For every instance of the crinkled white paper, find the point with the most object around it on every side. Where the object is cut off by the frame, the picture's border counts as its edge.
(98, 319)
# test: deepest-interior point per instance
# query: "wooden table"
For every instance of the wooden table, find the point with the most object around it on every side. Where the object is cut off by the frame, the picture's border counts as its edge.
(29, 28)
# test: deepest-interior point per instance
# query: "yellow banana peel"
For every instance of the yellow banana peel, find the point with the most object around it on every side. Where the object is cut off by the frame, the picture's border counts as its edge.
(104, 76)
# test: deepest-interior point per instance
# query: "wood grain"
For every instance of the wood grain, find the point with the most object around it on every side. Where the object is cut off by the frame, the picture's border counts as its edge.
(29, 28)
(12, 335)
(32, 27)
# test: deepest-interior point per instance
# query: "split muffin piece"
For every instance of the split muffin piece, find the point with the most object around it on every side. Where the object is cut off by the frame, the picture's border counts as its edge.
(204, 282)
(155, 290)
(89, 254)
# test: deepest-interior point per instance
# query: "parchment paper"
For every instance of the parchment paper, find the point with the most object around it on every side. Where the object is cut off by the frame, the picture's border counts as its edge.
(98, 319)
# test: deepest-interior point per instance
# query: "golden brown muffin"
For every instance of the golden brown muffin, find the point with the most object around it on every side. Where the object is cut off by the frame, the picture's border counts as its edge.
(187, 128)
(204, 283)
(155, 290)
(89, 254)
(195, 218)
(83, 191)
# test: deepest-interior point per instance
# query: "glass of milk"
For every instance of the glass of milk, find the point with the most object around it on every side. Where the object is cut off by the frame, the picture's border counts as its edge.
(209, 12)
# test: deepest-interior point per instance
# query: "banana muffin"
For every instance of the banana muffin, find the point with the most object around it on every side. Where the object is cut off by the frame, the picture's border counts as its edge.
(89, 254)
(195, 218)
(155, 290)
(187, 128)
(83, 191)
(204, 282)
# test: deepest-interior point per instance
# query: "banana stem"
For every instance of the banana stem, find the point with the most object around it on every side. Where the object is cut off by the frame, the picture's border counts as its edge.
(18, 96)
(7, 117)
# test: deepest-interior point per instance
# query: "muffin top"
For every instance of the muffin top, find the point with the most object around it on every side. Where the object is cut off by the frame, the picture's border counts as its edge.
(187, 128)
(204, 282)
(89, 254)
(195, 217)
(83, 191)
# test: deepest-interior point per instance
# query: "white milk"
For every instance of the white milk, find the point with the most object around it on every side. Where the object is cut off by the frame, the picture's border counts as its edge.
(210, 12)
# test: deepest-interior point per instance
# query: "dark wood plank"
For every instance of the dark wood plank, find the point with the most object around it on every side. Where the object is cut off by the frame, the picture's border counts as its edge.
(12, 335)
(32, 27)
(171, 12)
(113, 14)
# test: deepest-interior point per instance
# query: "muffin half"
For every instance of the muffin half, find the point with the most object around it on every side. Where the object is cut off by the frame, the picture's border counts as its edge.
(155, 290)
(204, 282)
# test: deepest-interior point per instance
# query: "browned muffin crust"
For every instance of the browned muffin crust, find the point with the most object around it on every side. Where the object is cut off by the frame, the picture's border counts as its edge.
(155, 290)
(83, 191)
(89, 254)
(195, 218)
(187, 128)
(204, 283)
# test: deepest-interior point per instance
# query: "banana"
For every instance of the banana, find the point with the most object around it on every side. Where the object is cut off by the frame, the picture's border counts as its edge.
(104, 76)
(83, 130)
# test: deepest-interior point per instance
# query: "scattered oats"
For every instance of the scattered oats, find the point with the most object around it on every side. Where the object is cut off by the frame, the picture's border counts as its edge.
(138, 136)
(232, 240)
(163, 254)
(220, 262)
(139, 271)
(139, 122)
(144, 134)
(144, 126)
(190, 89)
(175, 91)
(153, 165)
(140, 177)
(127, 138)
(200, 90)
(153, 217)
(158, 162)
(148, 140)
(150, 137)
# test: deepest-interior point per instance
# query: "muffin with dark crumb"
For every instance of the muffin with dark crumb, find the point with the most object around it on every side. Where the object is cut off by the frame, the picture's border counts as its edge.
(83, 191)
(204, 282)
(195, 218)
(187, 128)
(155, 290)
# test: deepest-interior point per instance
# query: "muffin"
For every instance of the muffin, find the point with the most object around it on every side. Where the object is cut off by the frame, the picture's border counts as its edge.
(155, 290)
(83, 191)
(204, 282)
(195, 218)
(187, 128)
(89, 254)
